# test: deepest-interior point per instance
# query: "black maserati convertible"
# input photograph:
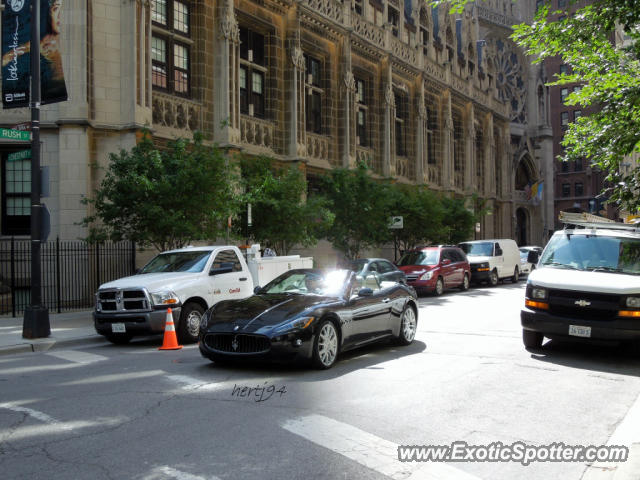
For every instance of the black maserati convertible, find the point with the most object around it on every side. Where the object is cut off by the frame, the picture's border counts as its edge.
(310, 314)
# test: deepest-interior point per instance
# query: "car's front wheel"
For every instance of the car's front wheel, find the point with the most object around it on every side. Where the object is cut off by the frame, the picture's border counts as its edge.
(439, 286)
(408, 326)
(189, 326)
(532, 339)
(465, 283)
(325, 346)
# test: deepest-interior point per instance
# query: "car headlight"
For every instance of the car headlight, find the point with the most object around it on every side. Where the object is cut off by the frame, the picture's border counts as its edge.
(298, 323)
(164, 297)
(204, 321)
(633, 302)
(540, 293)
(426, 276)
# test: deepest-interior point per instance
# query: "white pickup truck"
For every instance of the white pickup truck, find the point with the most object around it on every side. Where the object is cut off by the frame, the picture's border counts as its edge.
(188, 280)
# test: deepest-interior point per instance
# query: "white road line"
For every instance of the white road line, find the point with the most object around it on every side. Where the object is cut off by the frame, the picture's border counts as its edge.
(77, 356)
(116, 377)
(369, 450)
(172, 472)
(57, 427)
(43, 417)
(194, 384)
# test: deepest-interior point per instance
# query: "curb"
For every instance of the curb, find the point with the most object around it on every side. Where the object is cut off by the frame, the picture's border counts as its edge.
(49, 343)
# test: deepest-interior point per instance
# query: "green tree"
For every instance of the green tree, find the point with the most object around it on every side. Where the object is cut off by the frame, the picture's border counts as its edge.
(361, 208)
(457, 221)
(165, 198)
(609, 73)
(422, 214)
(281, 218)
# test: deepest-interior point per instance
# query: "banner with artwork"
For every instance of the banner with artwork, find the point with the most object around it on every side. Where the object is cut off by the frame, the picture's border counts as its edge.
(16, 47)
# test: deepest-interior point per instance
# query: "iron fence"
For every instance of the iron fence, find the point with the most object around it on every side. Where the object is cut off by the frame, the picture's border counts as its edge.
(72, 271)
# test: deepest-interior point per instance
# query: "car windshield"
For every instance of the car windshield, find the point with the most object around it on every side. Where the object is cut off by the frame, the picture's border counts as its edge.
(193, 261)
(358, 265)
(419, 257)
(594, 253)
(330, 283)
(484, 249)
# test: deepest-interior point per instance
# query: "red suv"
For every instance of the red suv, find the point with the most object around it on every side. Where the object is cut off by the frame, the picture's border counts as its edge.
(432, 269)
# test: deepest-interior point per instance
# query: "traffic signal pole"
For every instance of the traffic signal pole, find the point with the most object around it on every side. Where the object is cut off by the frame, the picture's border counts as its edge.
(36, 315)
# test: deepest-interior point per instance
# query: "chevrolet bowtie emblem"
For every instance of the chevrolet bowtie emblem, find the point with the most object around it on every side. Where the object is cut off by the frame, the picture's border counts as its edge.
(582, 303)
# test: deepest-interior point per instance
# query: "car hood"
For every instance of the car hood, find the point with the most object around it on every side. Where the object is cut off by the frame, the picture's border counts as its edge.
(153, 281)
(478, 259)
(585, 281)
(408, 269)
(260, 313)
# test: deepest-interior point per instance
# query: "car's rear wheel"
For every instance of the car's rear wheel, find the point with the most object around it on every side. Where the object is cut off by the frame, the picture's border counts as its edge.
(516, 275)
(465, 283)
(493, 278)
(532, 339)
(325, 345)
(408, 326)
(439, 286)
(189, 326)
(119, 338)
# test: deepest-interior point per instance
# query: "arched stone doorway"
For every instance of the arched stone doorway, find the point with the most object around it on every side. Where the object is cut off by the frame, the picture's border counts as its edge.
(522, 226)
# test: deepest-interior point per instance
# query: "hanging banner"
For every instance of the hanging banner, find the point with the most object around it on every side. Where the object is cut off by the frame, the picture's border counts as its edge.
(16, 43)
(16, 33)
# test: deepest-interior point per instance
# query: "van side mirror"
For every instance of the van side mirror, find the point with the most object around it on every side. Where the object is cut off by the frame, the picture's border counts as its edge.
(498, 252)
(532, 256)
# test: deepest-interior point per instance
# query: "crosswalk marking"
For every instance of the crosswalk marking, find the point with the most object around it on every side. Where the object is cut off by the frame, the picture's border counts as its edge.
(161, 472)
(194, 384)
(369, 450)
(77, 356)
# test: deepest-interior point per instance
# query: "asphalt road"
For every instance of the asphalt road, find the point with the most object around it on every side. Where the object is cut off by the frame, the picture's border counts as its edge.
(119, 412)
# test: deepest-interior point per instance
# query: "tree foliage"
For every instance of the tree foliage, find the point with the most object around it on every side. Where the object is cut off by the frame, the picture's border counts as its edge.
(361, 208)
(608, 70)
(165, 198)
(281, 218)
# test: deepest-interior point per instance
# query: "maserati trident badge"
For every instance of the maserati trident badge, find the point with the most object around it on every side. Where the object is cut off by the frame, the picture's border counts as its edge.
(234, 344)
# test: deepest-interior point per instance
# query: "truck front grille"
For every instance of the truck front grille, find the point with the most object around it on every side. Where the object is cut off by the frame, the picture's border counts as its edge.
(231, 343)
(584, 305)
(123, 300)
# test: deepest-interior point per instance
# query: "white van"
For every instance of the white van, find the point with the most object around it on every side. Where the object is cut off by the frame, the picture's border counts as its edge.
(493, 260)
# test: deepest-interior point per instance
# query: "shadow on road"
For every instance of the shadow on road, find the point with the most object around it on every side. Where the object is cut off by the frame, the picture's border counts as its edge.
(623, 359)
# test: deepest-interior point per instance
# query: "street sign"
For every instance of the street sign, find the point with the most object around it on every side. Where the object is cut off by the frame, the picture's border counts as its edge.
(15, 134)
(20, 155)
(396, 222)
(24, 126)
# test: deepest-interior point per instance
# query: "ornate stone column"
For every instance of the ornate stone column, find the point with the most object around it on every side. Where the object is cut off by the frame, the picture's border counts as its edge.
(489, 155)
(296, 143)
(469, 149)
(421, 138)
(349, 110)
(447, 142)
(226, 110)
(389, 130)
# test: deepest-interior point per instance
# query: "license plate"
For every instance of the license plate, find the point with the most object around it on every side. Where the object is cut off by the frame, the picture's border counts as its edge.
(118, 328)
(579, 331)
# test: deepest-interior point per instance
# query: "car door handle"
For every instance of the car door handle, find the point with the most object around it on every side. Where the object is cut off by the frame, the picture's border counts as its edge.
(242, 279)
(386, 300)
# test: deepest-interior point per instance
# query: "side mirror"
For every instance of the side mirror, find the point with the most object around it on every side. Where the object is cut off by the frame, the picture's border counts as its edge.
(498, 252)
(533, 256)
(445, 261)
(219, 270)
(257, 290)
(365, 292)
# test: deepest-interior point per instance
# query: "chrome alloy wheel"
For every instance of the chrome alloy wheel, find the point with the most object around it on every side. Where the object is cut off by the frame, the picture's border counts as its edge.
(409, 324)
(193, 322)
(327, 344)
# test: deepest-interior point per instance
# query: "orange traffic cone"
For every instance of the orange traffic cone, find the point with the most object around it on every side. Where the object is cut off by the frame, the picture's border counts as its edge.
(170, 341)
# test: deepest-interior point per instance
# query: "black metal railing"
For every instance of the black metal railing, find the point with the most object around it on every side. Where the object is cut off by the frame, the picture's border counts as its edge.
(72, 271)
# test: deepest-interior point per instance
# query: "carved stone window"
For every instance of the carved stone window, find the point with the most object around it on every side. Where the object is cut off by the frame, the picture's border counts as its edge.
(433, 136)
(170, 47)
(362, 112)
(358, 6)
(401, 122)
(315, 94)
(253, 73)
(393, 17)
(16, 194)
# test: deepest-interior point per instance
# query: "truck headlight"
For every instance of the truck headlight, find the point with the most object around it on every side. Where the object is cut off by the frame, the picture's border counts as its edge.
(633, 302)
(98, 304)
(164, 297)
(426, 276)
(539, 293)
(483, 267)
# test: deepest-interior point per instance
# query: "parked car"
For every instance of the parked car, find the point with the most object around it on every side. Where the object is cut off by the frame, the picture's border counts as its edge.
(386, 270)
(525, 266)
(493, 260)
(433, 269)
(312, 315)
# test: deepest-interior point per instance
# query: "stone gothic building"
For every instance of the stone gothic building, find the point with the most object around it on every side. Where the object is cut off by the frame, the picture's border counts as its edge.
(420, 95)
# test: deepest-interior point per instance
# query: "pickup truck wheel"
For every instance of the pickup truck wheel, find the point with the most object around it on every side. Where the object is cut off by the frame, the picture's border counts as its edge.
(531, 339)
(119, 339)
(493, 278)
(189, 326)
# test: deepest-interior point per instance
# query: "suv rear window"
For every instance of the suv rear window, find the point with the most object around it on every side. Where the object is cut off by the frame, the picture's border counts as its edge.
(419, 257)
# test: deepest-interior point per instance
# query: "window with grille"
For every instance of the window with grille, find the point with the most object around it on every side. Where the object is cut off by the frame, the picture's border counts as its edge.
(566, 189)
(253, 73)
(315, 94)
(577, 114)
(170, 46)
(394, 19)
(564, 92)
(16, 194)
(564, 119)
(578, 189)
(458, 144)
(479, 152)
(358, 6)
(432, 136)
(401, 123)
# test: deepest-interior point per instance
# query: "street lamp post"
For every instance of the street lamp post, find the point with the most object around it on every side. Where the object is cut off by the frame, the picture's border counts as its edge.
(36, 315)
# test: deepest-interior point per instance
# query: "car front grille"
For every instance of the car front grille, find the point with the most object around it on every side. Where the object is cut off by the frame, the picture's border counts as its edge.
(412, 278)
(121, 300)
(241, 343)
(584, 305)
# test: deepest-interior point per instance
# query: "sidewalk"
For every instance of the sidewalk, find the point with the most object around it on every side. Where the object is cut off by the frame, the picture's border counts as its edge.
(71, 328)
